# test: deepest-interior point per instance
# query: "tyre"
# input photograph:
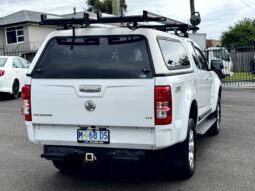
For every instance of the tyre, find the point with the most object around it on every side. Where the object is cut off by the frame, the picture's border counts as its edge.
(69, 164)
(15, 90)
(188, 152)
(215, 129)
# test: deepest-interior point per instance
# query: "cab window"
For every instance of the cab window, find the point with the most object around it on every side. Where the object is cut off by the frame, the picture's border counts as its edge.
(201, 59)
(198, 56)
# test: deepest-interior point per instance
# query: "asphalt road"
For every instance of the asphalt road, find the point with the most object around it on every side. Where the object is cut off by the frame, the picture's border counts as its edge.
(225, 162)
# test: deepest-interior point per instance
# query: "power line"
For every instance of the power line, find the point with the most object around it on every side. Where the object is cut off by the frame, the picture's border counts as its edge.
(247, 5)
(45, 10)
(62, 7)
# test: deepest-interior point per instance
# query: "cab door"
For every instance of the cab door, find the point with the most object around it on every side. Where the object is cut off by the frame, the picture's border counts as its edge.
(205, 79)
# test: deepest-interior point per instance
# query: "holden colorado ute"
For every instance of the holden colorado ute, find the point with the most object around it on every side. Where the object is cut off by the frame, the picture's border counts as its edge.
(120, 93)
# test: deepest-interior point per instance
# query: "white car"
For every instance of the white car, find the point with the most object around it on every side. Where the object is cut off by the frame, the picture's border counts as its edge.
(120, 94)
(13, 71)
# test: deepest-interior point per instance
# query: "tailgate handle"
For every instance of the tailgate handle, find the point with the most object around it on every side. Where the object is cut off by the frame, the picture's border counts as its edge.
(90, 89)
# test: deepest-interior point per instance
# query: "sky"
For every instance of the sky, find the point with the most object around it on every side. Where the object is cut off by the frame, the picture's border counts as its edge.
(217, 15)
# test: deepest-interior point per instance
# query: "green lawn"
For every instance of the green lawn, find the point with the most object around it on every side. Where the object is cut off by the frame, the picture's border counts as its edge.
(240, 76)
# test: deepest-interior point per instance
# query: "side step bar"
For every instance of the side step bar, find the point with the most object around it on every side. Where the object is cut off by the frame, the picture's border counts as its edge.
(202, 128)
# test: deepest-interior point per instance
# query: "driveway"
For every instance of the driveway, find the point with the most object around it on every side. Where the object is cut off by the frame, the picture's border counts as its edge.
(225, 162)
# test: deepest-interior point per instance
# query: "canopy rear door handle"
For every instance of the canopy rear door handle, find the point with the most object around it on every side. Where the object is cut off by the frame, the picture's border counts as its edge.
(90, 89)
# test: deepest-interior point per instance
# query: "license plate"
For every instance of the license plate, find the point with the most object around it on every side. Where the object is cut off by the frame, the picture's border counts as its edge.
(93, 136)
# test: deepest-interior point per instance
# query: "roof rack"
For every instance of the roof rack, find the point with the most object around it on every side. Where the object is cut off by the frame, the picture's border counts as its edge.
(137, 21)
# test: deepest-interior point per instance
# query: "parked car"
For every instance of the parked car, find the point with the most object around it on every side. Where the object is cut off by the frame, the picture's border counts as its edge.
(120, 93)
(12, 74)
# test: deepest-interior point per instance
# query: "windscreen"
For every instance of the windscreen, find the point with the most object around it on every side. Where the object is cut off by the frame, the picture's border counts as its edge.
(221, 54)
(2, 62)
(94, 57)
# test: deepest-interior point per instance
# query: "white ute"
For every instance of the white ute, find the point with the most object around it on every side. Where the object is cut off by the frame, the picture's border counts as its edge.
(120, 93)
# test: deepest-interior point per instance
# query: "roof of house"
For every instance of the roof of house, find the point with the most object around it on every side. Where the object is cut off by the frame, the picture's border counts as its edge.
(23, 16)
(26, 16)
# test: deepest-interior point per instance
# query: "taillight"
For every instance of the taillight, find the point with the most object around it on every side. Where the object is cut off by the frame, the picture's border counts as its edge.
(163, 105)
(26, 108)
(2, 72)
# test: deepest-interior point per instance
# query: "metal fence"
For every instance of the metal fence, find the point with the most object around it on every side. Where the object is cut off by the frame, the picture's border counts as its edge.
(24, 50)
(238, 64)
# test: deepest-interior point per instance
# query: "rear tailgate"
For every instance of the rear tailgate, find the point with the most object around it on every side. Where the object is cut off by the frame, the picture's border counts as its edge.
(112, 75)
(119, 103)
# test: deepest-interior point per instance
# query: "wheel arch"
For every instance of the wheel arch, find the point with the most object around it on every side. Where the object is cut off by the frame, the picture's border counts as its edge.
(193, 113)
(16, 80)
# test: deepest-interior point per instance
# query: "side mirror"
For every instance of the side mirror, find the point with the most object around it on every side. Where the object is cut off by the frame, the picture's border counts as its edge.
(217, 66)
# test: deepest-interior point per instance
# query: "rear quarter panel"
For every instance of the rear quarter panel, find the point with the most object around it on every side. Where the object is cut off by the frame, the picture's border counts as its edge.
(184, 91)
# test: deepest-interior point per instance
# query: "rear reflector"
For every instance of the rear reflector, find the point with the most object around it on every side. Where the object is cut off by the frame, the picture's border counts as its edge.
(163, 105)
(26, 108)
(2, 72)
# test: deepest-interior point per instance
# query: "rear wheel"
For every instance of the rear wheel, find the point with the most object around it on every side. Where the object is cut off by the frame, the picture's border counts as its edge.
(69, 164)
(15, 90)
(187, 151)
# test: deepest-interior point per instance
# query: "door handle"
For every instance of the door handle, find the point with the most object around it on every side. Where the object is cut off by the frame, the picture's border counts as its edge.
(90, 89)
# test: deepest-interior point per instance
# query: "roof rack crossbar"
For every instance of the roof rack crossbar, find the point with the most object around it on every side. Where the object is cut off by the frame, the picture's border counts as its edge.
(166, 21)
(100, 20)
(63, 21)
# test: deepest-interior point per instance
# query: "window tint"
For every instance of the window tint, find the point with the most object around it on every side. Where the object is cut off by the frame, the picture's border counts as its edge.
(201, 59)
(24, 62)
(174, 54)
(193, 54)
(15, 34)
(17, 63)
(94, 57)
(2, 62)
(221, 54)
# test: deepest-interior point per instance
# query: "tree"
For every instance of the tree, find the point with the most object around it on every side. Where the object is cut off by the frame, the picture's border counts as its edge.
(242, 33)
(104, 6)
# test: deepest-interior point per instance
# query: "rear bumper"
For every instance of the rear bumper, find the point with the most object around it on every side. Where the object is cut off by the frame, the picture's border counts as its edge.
(120, 137)
(111, 154)
(64, 152)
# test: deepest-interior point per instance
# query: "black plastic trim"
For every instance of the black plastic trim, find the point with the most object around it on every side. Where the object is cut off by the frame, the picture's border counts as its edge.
(174, 74)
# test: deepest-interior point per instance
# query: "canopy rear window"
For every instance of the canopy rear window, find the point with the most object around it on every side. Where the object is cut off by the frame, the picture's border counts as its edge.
(94, 57)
